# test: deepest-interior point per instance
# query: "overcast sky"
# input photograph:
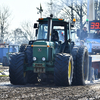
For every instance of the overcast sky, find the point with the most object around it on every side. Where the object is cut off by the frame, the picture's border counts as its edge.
(22, 10)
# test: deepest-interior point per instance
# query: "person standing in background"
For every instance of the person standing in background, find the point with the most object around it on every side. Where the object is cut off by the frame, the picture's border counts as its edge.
(84, 34)
(97, 35)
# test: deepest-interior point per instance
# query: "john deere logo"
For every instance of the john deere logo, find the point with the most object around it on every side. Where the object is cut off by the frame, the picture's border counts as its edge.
(39, 50)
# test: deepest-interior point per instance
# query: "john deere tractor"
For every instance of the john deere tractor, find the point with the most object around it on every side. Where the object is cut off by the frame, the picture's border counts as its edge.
(52, 57)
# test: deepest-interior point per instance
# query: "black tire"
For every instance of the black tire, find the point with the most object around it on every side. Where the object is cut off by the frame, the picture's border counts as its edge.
(22, 48)
(16, 69)
(82, 66)
(61, 69)
(29, 55)
(31, 76)
(90, 67)
(74, 54)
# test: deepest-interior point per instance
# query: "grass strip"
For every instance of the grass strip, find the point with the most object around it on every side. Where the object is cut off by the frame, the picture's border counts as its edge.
(4, 75)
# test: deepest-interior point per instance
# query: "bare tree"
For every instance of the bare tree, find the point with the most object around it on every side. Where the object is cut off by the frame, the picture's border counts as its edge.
(27, 27)
(76, 9)
(4, 18)
(97, 9)
(16, 37)
(69, 9)
(53, 7)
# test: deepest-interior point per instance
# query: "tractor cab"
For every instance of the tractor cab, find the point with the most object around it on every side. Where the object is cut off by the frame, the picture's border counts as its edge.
(50, 57)
(55, 32)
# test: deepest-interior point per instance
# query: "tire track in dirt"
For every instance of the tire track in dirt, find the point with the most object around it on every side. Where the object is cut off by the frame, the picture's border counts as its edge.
(49, 92)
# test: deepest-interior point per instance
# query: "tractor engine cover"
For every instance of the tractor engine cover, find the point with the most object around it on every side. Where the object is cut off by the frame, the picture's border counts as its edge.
(42, 55)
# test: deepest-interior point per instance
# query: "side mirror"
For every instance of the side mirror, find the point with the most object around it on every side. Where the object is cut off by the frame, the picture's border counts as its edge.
(36, 32)
(35, 25)
(72, 25)
(73, 31)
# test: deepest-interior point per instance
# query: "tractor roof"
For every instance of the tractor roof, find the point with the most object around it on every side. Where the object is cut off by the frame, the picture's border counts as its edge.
(53, 19)
(58, 20)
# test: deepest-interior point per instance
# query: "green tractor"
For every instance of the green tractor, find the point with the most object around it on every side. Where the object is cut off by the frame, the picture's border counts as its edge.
(52, 57)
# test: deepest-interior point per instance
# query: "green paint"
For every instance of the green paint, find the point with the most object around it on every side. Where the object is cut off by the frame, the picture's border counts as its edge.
(40, 50)
(51, 69)
(29, 68)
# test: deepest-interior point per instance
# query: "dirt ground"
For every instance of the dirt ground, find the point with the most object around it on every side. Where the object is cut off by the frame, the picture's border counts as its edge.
(2, 68)
(4, 79)
(47, 92)
(40, 92)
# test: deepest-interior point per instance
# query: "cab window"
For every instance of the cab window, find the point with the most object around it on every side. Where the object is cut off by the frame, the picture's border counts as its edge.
(60, 31)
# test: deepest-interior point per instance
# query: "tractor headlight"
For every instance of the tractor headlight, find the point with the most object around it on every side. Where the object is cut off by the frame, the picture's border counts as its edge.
(43, 59)
(34, 58)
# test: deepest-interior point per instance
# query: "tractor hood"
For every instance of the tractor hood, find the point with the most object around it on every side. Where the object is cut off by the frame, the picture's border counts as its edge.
(43, 51)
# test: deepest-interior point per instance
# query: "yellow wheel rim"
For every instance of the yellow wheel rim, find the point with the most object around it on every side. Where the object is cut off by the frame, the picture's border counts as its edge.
(69, 70)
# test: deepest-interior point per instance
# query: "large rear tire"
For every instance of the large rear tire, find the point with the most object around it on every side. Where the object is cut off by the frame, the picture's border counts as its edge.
(16, 69)
(82, 66)
(74, 54)
(29, 55)
(63, 69)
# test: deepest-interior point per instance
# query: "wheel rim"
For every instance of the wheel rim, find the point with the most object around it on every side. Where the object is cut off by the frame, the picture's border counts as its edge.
(69, 70)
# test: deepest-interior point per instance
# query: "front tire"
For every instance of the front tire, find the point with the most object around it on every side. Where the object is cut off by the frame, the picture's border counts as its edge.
(31, 76)
(29, 55)
(16, 69)
(63, 69)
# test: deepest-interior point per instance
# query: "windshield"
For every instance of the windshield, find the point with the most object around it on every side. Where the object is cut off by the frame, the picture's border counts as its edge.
(42, 31)
(61, 33)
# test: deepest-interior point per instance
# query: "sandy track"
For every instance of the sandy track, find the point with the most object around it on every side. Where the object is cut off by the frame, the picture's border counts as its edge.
(49, 92)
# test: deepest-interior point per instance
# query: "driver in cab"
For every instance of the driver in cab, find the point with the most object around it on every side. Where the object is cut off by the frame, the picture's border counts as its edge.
(55, 36)
(97, 35)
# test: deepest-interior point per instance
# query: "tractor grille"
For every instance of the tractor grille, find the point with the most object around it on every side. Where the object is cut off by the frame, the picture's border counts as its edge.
(38, 65)
(39, 68)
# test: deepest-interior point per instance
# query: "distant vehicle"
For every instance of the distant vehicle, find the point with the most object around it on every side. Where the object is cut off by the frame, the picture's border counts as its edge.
(3, 50)
(93, 45)
(11, 50)
(3, 45)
